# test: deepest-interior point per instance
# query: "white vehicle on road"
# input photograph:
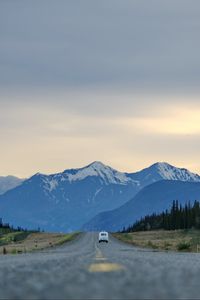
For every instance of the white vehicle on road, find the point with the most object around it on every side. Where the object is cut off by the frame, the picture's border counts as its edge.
(103, 236)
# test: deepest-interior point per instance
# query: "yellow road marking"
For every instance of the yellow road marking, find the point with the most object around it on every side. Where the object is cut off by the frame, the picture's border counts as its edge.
(105, 267)
(98, 252)
(99, 255)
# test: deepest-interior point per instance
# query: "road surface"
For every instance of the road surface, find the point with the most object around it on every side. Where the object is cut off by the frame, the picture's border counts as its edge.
(85, 269)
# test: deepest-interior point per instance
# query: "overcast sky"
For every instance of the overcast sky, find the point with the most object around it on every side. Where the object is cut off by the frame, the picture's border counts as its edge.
(115, 81)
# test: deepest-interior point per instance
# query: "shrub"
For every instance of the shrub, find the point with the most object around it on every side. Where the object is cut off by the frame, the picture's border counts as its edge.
(14, 251)
(152, 245)
(167, 245)
(183, 246)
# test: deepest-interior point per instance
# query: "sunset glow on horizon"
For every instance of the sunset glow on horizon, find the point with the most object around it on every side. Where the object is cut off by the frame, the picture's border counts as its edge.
(75, 87)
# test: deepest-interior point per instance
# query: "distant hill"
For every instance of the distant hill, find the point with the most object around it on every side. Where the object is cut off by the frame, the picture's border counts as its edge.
(154, 198)
(9, 182)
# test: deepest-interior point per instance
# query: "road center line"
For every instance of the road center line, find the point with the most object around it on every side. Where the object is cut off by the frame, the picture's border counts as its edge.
(98, 252)
(103, 266)
(100, 258)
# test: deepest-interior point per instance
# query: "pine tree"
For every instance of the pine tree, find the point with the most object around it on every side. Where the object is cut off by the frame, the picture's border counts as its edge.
(178, 217)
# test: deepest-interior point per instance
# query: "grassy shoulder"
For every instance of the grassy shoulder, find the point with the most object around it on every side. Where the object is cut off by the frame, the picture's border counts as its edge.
(22, 242)
(177, 240)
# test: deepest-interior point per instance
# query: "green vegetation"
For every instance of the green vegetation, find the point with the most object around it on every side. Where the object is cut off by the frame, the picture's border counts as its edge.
(152, 245)
(22, 242)
(18, 240)
(10, 235)
(7, 228)
(177, 229)
(183, 246)
(13, 237)
(68, 237)
(179, 217)
(14, 251)
(166, 240)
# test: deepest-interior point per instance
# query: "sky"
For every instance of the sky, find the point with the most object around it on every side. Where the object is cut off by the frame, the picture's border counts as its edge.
(116, 81)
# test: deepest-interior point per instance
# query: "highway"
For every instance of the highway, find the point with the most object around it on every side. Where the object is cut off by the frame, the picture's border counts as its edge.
(85, 269)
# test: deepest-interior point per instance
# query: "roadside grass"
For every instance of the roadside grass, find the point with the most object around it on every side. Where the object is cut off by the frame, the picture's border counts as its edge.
(22, 242)
(67, 238)
(183, 246)
(12, 237)
(173, 240)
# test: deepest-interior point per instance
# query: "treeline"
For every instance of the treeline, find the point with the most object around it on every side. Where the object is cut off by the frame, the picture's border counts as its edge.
(6, 228)
(178, 217)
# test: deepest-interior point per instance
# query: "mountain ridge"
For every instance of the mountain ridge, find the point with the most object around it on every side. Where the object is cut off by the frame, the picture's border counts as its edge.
(68, 200)
(9, 182)
(154, 198)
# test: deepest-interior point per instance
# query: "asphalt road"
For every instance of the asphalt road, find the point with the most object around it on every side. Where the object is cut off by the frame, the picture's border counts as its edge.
(85, 269)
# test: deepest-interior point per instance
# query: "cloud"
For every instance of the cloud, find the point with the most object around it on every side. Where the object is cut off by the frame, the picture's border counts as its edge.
(116, 81)
(49, 137)
(143, 45)
(177, 121)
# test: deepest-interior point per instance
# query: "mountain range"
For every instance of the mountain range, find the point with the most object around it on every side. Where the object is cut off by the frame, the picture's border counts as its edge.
(78, 198)
(9, 182)
(154, 198)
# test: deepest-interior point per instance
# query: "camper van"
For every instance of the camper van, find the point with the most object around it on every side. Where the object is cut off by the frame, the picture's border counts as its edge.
(103, 236)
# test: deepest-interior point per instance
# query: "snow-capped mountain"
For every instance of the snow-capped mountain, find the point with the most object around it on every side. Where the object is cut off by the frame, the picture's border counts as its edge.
(9, 182)
(169, 172)
(96, 171)
(107, 174)
(65, 201)
(163, 171)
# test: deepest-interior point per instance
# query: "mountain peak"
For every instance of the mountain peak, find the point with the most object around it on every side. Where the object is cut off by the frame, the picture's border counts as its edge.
(161, 165)
(97, 165)
(169, 172)
(9, 182)
(98, 169)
